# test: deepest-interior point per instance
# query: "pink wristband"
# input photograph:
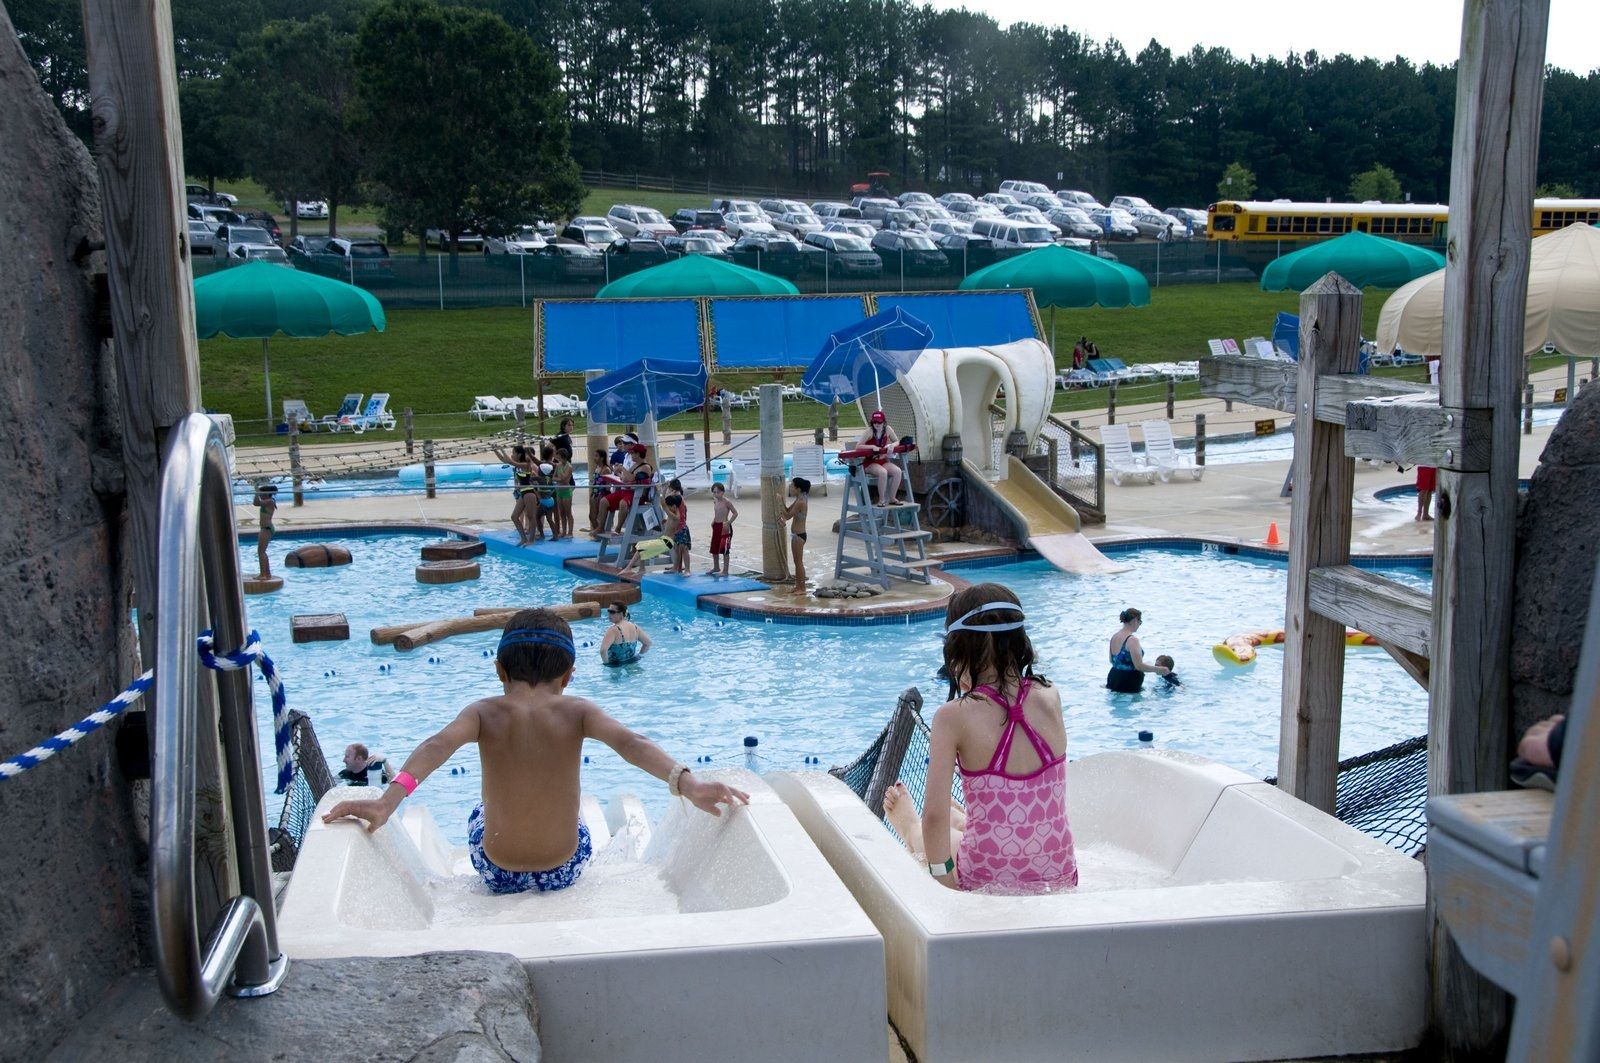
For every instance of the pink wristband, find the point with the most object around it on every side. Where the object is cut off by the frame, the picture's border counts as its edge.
(406, 781)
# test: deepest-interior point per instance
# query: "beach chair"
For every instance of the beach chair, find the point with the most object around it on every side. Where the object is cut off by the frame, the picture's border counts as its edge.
(1216, 348)
(376, 415)
(487, 406)
(1133, 372)
(1105, 370)
(744, 462)
(1120, 462)
(1231, 348)
(295, 410)
(690, 465)
(350, 407)
(1161, 452)
(810, 462)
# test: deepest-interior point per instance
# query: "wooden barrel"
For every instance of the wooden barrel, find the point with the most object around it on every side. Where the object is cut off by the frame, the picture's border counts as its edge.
(262, 584)
(447, 571)
(606, 593)
(453, 549)
(317, 555)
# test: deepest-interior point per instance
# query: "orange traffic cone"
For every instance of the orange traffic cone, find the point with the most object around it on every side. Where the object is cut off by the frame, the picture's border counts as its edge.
(1272, 535)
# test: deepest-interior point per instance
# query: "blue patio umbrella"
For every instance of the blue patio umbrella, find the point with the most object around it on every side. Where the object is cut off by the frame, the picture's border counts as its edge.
(860, 359)
(650, 386)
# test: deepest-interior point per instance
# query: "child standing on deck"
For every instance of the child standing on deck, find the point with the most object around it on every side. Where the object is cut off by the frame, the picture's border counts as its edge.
(526, 833)
(677, 528)
(266, 501)
(723, 514)
(564, 481)
(800, 491)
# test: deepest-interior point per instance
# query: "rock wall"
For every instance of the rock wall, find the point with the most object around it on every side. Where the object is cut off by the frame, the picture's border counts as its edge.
(69, 857)
(1558, 530)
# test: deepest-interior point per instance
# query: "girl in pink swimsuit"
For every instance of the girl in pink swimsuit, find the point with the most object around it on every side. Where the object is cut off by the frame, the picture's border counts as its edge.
(1014, 836)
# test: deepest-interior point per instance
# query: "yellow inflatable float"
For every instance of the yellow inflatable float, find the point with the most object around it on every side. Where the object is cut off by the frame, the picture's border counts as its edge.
(1241, 649)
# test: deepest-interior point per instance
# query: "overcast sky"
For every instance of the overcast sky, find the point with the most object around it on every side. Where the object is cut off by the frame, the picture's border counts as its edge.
(1421, 30)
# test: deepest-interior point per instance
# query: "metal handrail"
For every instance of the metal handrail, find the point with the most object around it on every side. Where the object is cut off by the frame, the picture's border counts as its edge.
(199, 555)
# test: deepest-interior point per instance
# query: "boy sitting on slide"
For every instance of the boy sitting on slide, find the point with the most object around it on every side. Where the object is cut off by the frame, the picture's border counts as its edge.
(526, 833)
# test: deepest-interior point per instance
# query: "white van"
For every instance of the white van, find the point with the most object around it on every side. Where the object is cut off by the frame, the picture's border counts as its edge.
(1007, 232)
(1023, 188)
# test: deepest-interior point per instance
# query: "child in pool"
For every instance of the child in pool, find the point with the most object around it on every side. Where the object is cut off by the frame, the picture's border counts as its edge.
(526, 833)
(1169, 677)
(1004, 730)
(800, 491)
(266, 501)
(723, 514)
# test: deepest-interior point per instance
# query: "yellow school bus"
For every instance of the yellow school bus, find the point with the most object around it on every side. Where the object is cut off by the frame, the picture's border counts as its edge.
(1419, 223)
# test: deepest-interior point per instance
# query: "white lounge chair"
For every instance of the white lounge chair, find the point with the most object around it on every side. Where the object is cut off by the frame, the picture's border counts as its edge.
(690, 465)
(487, 406)
(1161, 452)
(744, 462)
(1215, 347)
(350, 407)
(1231, 348)
(376, 415)
(1120, 462)
(810, 462)
(295, 410)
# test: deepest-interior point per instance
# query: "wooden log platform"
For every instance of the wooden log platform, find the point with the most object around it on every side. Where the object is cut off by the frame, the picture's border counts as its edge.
(405, 637)
(447, 571)
(319, 627)
(606, 593)
(262, 584)
(454, 549)
(317, 555)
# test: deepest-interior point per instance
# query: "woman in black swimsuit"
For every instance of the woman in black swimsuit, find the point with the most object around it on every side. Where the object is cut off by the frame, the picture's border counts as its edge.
(1127, 659)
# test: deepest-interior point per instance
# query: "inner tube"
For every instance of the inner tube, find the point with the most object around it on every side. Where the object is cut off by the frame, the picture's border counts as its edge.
(443, 472)
(1238, 650)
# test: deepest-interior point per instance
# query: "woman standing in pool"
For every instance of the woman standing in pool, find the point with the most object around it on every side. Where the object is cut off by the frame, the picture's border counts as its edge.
(1008, 719)
(1127, 659)
(624, 641)
(266, 501)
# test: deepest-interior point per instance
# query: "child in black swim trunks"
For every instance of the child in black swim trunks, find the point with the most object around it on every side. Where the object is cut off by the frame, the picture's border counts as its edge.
(1169, 677)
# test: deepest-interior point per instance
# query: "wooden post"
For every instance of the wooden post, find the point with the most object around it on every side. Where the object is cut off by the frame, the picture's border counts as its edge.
(1527, 409)
(427, 469)
(774, 543)
(522, 425)
(1073, 440)
(1111, 403)
(139, 155)
(1200, 439)
(816, 435)
(1319, 537)
(1172, 395)
(833, 420)
(1499, 91)
(410, 436)
(296, 471)
(1053, 449)
(727, 421)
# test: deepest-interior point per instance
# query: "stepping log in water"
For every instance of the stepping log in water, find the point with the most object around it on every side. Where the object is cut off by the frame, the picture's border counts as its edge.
(447, 571)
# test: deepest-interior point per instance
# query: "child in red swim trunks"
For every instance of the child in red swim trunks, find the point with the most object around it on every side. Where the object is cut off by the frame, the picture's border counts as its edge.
(723, 514)
(1427, 476)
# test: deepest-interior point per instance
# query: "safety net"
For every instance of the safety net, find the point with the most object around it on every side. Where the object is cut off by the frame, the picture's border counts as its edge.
(311, 781)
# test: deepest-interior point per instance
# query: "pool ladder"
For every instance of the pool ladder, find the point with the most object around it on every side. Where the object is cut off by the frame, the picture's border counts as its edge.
(199, 569)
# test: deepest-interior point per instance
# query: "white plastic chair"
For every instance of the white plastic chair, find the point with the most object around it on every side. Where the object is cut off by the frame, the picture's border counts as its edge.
(295, 410)
(376, 415)
(1161, 452)
(1215, 346)
(744, 465)
(1120, 461)
(810, 462)
(487, 406)
(350, 407)
(690, 465)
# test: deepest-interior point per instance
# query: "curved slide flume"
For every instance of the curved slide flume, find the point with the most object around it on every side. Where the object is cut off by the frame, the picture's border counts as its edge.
(1045, 522)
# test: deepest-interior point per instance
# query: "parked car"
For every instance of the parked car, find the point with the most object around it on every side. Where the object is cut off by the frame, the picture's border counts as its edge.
(774, 208)
(854, 228)
(875, 210)
(1022, 188)
(214, 213)
(1074, 222)
(901, 218)
(524, 241)
(469, 239)
(742, 222)
(310, 253)
(1074, 198)
(199, 194)
(748, 206)
(265, 221)
(630, 220)
(1043, 202)
(958, 242)
(1128, 203)
(979, 211)
(914, 199)
(594, 232)
(693, 218)
(914, 252)
(1011, 232)
(846, 255)
(775, 252)
(641, 252)
(929, 212)
(202, 241)
(719, 237)
(956, 201)
(1031, 216)
(828, 210)
(1153, 223)
(232, 236)
(238, 254)
(1115, 223)
(1194, 220)
(695, 242)
(307, 209)
(567, 260)
(946, 226)
(1001, 199)
(797, 224)
(361, 259)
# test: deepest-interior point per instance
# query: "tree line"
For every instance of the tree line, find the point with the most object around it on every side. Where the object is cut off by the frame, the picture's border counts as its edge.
(802, 94)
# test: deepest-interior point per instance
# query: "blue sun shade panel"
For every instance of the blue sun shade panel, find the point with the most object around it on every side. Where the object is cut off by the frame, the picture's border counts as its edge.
(968, 319)
(609, 335)
(779, 332)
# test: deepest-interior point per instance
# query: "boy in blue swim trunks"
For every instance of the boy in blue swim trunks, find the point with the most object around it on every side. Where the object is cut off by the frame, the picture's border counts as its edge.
(526, 834)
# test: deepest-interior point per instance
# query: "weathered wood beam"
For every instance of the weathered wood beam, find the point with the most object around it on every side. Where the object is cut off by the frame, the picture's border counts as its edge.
(1313, 660)
(1415, 433)
(1416, 667)
(1392, 613)
(1257, 381)
(1499, 93)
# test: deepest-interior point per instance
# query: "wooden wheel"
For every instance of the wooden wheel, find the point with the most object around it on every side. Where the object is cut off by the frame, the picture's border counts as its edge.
(945, 503)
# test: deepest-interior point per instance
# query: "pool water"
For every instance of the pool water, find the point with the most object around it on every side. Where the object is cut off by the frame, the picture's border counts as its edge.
(801, 691)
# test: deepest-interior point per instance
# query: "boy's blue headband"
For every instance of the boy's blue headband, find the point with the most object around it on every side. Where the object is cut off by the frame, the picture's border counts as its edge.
(524, 635)
(989, 628)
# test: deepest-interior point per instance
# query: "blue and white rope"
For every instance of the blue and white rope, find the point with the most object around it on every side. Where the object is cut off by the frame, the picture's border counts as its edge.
(252, 653)
(10, 769)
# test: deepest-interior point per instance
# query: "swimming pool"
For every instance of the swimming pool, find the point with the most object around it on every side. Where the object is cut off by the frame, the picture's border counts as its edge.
(801, 691)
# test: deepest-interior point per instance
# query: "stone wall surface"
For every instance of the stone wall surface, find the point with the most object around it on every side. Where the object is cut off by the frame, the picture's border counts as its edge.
(69, 857)
(1558, 531)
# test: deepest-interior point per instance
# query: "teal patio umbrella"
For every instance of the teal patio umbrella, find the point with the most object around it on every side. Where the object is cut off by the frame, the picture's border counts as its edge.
(1060, 276)
(1364, 260)
(695, 275)
(259, 300)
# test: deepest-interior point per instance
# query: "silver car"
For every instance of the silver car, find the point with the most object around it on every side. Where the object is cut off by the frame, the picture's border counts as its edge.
(525, 241)
(797, 223)
(202, 240)
(1153, 223)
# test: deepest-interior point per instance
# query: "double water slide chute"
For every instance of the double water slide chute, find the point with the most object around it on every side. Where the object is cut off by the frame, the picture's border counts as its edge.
(949, 391)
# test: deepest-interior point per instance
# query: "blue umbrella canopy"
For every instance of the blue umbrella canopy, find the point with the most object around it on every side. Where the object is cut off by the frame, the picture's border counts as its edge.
(650, 386)
(1360, 258)
(861, 359)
